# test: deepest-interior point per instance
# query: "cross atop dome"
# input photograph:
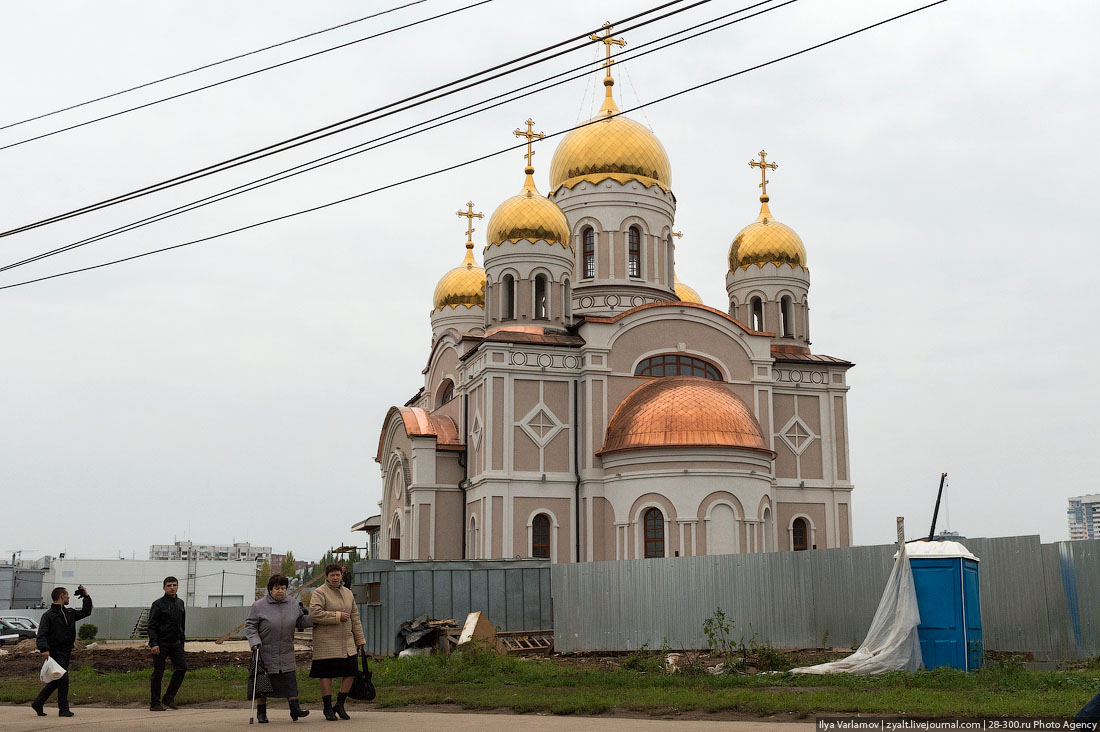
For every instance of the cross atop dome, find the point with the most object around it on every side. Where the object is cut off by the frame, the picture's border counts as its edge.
(763, 165)
(608, 82)
(531, 136)
(470, 216)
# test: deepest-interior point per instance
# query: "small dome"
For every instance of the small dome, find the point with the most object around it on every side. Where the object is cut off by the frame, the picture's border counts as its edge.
(613, 147)
(528, 217)
(682, 411)
(462, 286)
(766, 241)
(687, 294)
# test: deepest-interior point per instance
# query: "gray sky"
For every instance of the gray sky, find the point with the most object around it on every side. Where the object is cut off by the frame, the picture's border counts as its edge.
(937, 170)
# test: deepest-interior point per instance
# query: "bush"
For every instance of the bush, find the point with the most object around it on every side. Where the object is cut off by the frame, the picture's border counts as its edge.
(87, 632)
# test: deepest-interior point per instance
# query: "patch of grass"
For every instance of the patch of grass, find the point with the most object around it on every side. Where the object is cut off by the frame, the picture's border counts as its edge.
(485, 681)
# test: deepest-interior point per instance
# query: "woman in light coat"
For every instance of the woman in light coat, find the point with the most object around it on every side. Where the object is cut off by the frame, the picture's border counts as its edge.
(337, 636)
(270, 629)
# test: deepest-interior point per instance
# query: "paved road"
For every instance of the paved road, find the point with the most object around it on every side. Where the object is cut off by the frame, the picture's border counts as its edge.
(118, 719)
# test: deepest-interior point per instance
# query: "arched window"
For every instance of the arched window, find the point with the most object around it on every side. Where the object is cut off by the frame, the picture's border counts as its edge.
(654, 534)
(567, 301)
(446, 392)
(471, 540)
(800, 535)
(766, 514)
(634, 252)
(669, 266)
(589, 252)
(677, 365)
(508, 297)
(540, 537)
(542, 307)
(786, 320)
(757, 306)
(395, 538)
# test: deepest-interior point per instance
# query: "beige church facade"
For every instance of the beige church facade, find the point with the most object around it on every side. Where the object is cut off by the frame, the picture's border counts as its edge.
(581, 404)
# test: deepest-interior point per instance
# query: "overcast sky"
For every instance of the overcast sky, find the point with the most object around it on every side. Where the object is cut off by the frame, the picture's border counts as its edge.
(938, 170)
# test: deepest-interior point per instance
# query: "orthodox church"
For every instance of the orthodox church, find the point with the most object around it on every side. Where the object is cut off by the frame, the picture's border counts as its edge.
(581, 404)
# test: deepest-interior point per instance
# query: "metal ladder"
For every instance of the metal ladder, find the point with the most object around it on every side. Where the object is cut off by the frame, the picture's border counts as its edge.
(141, 627)
(192, 570)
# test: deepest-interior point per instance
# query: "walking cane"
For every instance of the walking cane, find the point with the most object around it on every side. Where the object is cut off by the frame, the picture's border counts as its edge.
(255, 679)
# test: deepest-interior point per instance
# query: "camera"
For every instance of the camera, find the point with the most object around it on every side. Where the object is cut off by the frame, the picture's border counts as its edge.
(80, 591)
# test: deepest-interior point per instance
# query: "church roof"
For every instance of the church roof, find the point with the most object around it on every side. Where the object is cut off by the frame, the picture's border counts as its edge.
(674, 304)
(419, 422)
(682, 411)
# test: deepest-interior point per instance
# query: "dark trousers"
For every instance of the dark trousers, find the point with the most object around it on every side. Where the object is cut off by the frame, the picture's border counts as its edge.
(179, 668)
(1090, 713)
(62, 684)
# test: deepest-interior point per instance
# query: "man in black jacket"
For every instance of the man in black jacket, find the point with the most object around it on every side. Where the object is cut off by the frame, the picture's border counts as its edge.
(56, 638)
(166, 638)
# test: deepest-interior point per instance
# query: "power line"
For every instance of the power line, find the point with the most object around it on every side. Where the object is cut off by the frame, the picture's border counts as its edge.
(482, 157)
(369, 145)
(241, 76)
(211, 65)
(315, 135)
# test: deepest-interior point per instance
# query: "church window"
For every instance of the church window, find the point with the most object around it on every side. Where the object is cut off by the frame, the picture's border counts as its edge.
(567, 301)
(654, 534)
(677, 365)
(799, 535)
(540, 537)
(508, 297)
(471, 544)
(589, 252)
(395, 539)
(786, 322)
(757, 313)
(634, 258)
(542, 309)
(446, 392)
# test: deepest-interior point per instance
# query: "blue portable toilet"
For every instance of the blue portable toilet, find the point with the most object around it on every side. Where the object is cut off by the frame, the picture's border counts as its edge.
(945, 574)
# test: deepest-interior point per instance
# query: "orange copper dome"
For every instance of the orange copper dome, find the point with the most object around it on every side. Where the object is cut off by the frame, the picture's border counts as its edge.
(682, 411)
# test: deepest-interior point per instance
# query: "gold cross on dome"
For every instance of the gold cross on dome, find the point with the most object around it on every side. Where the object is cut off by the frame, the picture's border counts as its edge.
(763, 171)
(608, 42)
(470, 216)
(531, 136)
(678, 234)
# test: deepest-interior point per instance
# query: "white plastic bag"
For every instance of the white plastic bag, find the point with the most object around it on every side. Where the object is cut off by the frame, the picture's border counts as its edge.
(51, 671)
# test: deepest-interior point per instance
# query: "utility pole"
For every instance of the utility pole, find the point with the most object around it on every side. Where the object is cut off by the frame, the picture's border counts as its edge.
(221, 598)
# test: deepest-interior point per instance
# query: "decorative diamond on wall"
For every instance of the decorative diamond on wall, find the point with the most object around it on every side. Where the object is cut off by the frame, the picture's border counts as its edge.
(797, 435)
(541, 425)
(476, 431)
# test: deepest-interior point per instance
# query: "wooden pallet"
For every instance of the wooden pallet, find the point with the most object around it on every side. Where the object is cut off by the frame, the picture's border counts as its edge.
(526, 641)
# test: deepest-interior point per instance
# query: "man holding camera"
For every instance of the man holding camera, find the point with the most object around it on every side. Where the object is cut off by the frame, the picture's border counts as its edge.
(56, 638)
(166, 638)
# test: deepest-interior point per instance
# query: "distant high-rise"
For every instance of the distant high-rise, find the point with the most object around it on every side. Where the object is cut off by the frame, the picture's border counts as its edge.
(1084, 517)
(240, 551)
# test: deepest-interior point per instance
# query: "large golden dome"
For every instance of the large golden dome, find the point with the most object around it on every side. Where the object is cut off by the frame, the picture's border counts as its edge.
(766, 241)
(614, 147)
(686, 293)
(463, 286)
(682, 411)
(528, 217)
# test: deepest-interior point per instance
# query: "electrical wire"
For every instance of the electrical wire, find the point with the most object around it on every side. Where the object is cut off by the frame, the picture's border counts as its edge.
(211, 65)
(314, 135)
(480, 158)
(369, 144)
(240, 76)
(158, 582)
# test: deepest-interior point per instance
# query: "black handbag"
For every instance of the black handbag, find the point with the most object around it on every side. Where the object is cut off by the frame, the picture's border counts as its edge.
(259, 683)
(362, 688)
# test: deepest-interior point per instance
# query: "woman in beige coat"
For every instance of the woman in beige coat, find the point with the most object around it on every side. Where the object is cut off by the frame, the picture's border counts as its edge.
(337, 637)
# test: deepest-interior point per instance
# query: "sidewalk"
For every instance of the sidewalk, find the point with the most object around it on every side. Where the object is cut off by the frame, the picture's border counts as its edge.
(212, 720)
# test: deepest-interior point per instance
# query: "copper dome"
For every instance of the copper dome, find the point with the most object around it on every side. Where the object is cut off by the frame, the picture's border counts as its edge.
(682, 411)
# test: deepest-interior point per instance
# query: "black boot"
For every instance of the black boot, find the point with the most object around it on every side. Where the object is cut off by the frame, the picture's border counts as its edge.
(261, 713)
(340, 699)
(296, 711)
(329, 714)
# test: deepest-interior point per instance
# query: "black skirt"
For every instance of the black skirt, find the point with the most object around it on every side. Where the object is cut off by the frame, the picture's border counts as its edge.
(331, 668)
(284, 685)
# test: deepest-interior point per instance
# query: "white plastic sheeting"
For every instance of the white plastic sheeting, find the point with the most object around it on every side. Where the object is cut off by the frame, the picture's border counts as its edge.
(941, 549)
(891, 643)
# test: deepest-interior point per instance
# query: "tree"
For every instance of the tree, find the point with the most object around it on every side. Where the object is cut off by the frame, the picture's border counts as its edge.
(286, 568)
(326, 560)
(264, 575)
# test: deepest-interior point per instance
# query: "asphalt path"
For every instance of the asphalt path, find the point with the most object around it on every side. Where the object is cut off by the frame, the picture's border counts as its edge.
(122, 719)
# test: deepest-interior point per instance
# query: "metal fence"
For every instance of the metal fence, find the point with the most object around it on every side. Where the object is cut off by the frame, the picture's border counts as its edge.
(1038, 598)
(513, 593)
(20, 587)
(202, 622)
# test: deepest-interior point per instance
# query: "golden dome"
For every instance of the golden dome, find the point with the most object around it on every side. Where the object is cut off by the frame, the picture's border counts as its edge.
(682, 411)
(464, 285)
(687, 294)
(528, 217)
(766, 241)
(614, 147)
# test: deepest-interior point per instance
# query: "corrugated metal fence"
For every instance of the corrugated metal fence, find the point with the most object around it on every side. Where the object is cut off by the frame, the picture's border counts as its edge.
(1038, 598)
(513, 593)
